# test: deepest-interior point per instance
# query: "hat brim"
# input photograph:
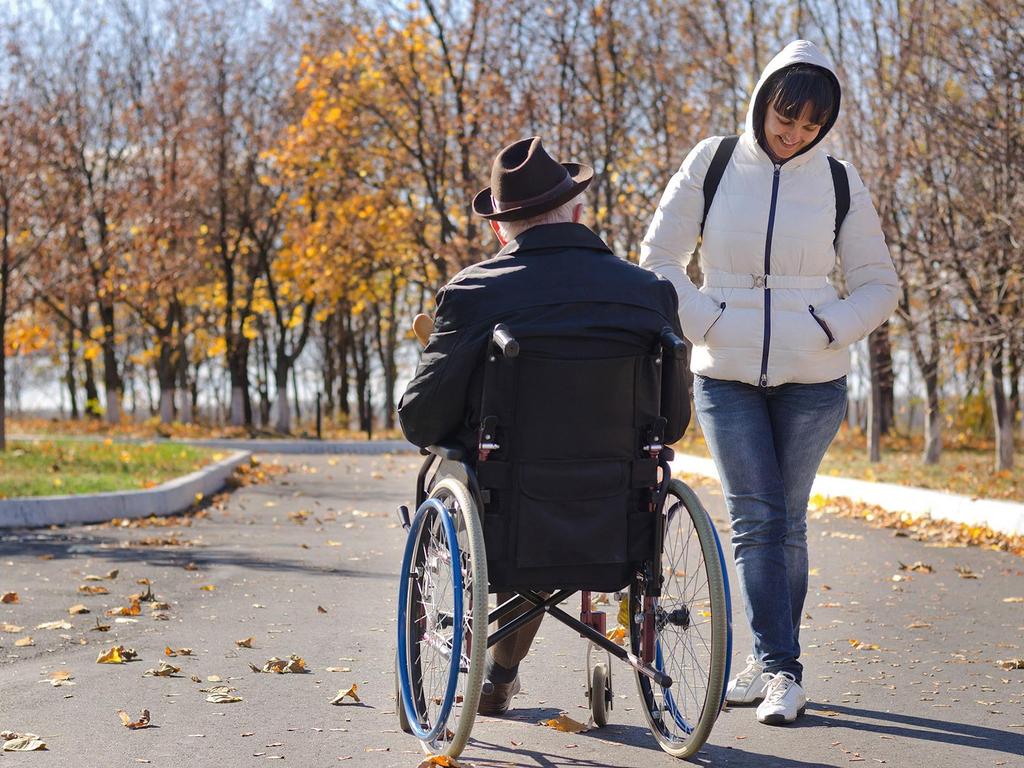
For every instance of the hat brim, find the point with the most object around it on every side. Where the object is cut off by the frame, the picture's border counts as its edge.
(581, 176)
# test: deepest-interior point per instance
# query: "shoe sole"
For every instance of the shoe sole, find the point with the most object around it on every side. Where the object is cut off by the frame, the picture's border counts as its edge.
(496, 712)
(780, 719)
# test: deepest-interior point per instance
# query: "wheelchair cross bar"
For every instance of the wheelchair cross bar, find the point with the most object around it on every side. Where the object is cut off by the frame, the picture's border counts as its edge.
(550, 605)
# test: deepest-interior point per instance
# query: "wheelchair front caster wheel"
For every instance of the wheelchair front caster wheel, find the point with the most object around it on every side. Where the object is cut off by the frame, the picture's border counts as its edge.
(600, 694)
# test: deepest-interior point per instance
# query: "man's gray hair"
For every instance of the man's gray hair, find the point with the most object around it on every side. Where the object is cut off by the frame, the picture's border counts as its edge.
(563, 213)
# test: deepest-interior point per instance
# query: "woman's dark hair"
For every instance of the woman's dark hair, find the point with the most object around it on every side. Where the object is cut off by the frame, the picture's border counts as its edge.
(789, 90)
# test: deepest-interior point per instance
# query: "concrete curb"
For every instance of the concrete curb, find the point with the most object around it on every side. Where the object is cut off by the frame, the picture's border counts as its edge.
(169, 498)
(1003, 516)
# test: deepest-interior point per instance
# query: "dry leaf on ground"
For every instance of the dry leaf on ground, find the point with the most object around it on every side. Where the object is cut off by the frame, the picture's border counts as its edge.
(61, 677)
(348, 693)
(565, 724)
(617, 635)
(208, 587)
(164, 670)
(965, 572)
(445, 761)
(917, 567)
(126, 720)
(76, 609)
(1013, 599)
(111, 575)
(292, 664)
(60, 624)
(131, 610)
(9, 597)
(1011, 664)
(321, 609)
(338, 669)
(100, 627)
(13, 628)
(246, 643)
(21, 742)
(117, 655)
(223, 698)
(24, 642)
(93, 589)
(860, 645)
(168, 651)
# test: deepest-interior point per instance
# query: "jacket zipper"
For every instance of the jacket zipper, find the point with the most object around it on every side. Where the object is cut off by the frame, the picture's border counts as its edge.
(763, 381)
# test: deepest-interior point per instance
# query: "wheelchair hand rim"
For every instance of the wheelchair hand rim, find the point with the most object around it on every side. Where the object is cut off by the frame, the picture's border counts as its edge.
(403, 596)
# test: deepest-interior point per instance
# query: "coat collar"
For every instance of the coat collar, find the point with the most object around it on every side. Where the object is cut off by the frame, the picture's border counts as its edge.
(550, 236)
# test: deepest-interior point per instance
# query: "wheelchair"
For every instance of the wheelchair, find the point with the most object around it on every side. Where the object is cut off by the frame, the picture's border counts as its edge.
(570, 491)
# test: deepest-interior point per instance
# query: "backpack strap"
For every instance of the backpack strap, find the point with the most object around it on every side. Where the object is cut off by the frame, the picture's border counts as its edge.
(714, 175)
(841, 183)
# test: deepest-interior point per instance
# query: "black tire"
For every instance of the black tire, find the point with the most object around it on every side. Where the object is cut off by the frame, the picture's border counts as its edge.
(692, 628)
(599, 695)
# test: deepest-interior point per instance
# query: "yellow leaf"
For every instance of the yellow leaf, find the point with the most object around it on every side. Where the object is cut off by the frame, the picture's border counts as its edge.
(862, 646)
(246, 643)
(208, 587)
(22, 742)
(617, 635)
(349, 692)
(444, 761)
(78, 608)
(24, 642)
(126, 720)
(565, 724)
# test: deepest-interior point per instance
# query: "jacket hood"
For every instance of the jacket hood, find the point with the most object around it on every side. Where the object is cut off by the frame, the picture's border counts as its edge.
(797, 52)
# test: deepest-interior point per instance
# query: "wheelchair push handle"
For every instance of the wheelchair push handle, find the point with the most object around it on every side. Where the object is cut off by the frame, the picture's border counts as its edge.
(503, 340)
(672, 344)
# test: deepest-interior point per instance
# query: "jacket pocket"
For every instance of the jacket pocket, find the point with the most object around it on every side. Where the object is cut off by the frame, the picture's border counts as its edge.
(573, 513)
(821, 323)
(721, 311)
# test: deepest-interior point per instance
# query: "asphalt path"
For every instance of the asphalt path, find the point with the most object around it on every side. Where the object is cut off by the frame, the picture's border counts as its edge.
(899, 672)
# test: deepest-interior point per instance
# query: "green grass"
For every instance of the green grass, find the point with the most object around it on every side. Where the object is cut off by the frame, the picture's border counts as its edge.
(57, 467)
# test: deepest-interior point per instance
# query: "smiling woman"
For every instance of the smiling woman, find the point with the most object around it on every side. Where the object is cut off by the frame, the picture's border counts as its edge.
(59, 467)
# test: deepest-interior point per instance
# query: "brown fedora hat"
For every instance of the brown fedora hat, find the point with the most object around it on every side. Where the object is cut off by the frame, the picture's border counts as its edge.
(526, 181)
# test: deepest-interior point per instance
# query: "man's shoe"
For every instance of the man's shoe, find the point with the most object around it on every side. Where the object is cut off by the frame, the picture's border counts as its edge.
(784, 699)
(497, 701)
(748, 686)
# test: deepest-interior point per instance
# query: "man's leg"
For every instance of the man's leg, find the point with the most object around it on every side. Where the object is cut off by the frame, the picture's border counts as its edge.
(503, 661)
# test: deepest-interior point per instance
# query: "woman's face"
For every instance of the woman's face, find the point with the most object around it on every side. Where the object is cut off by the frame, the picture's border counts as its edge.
(786, 137)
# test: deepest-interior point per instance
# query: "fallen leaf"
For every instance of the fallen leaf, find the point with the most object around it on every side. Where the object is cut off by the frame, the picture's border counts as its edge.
(1013, 599)
(223, 698)
(1011, 664)
(321, 609)
(74, 610)
(349, 692)
(126, 720)
(168, 651)
(21, 742)
(292, 664)
(9, 597)
(10, 628)
(93, 589)
(565, 724)
(860, 645)
(61, 624)
(617, 635)
(164, 670)
(131, 610)
(100, 627)
(445, 761)
(917, 567)
(213, 678)
(117, 655)
(338, 669)
(24, 642)
(246, 643)
(60, 674)
(208, 587)
(965, 572)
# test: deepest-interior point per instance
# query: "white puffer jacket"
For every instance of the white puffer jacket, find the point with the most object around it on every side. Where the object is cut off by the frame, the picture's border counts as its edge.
(789, 229)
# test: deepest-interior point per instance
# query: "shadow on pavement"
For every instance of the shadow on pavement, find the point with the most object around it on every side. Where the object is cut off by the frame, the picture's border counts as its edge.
(927, 729)
(61, 544)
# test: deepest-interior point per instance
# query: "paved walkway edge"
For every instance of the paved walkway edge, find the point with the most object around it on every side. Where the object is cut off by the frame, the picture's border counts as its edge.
(1003, 516)
(167, 499)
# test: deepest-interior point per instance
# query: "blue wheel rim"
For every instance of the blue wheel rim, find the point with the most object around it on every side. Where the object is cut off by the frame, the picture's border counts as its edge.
(405, 683)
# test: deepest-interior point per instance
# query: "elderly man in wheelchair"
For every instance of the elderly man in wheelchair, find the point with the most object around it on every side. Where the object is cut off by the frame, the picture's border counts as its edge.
(547, 392)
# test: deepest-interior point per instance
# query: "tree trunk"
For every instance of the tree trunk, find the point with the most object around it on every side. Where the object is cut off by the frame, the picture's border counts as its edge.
(329, 370)
(112, 384)
(4, 277)
(295, 392)
(880, 355)
(283, 420)
(932, 416)
(875, 417)
(69, 373)
(1000, 409)
(344, 384)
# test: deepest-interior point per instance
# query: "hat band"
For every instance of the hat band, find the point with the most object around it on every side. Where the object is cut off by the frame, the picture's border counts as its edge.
(504, 205)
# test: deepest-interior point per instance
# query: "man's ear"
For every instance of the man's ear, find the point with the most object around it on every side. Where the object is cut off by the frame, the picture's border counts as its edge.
(577, 213)
(497, 231)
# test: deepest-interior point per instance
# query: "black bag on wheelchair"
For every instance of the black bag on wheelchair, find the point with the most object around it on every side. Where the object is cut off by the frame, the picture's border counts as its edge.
(566, 467)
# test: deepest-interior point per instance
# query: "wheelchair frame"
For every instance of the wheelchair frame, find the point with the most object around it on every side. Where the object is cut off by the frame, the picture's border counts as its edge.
(449, 461)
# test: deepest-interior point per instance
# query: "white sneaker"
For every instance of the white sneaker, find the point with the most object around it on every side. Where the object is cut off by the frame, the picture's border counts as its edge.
(784, 699)
(748, 686)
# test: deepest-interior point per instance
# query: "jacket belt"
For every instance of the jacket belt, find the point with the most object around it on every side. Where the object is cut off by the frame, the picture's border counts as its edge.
(713, 278)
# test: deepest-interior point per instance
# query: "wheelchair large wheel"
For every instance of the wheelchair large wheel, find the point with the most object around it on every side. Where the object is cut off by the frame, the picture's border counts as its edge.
(442, 620)
(690, 629)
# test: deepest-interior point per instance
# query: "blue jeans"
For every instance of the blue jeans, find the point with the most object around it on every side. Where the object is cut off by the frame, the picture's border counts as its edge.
(767, 444)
